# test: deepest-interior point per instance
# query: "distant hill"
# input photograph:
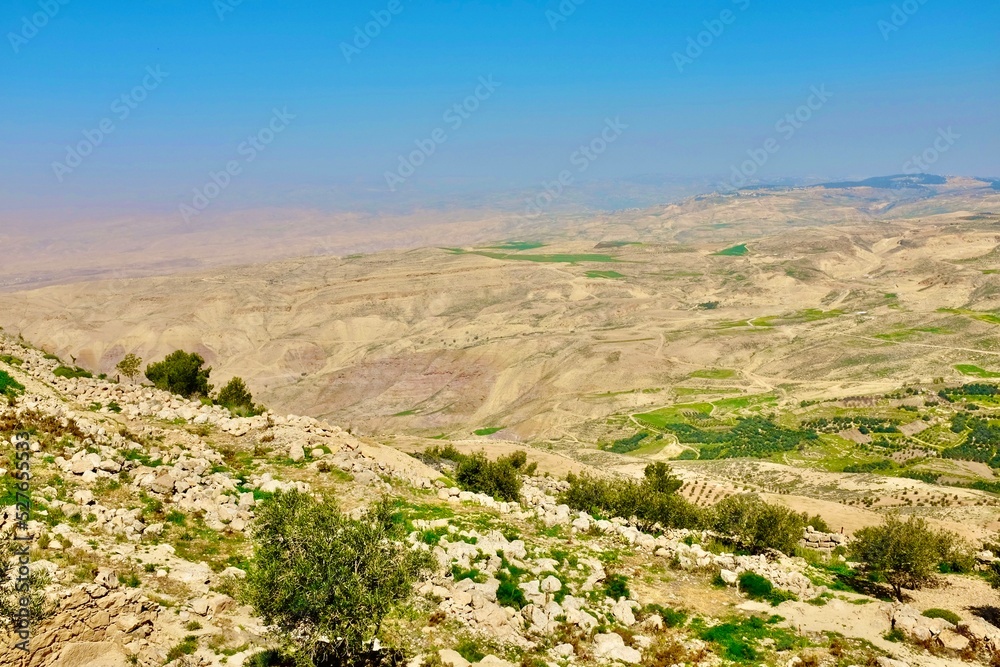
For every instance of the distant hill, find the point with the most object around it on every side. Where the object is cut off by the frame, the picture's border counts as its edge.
(895, 182)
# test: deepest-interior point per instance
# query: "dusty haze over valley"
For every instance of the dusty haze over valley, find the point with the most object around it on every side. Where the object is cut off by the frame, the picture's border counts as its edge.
(499, 333)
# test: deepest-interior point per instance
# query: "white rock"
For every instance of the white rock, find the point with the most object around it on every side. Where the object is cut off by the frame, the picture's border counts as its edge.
(622, 611)
(612, 646)
(564, 650)
(889, 662)
(551, 584)
(453, 658)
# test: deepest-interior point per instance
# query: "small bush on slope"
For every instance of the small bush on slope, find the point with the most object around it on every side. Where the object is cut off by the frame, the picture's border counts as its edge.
(652, 501)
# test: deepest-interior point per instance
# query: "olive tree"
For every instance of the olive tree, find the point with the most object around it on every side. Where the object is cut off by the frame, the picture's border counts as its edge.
(129, 366)
(326, 580)
(904, 553)
(757, 524)
(181, 373)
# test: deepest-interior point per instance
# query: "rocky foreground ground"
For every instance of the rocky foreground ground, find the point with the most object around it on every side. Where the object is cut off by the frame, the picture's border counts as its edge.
(143, 503)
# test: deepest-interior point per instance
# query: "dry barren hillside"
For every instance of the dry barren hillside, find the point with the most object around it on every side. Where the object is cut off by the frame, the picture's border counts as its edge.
(805, 293)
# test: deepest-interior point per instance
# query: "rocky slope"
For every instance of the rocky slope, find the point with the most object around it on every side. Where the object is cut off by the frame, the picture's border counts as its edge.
(142, 503)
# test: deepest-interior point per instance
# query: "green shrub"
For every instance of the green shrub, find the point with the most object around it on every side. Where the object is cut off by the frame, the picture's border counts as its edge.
(187, 646)
(129, 579)
(616, 587)
(894, 635)
(652, 501)
(9, 386)
(469, 649)
(500, 479)
(458, 573)
(11, 360)
(181, 373)
(269, 658)
(237, 398)
(74, 372)
(755, 586)
(510, 595)
(759, 588)
(758, 525)
(672, 618)
(949, 616)
(478, 474)
(318, 573)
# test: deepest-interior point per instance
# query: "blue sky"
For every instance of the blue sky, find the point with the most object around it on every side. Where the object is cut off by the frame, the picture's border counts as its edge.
(226, 66)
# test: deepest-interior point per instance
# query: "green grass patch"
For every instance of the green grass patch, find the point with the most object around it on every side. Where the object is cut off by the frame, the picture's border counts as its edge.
(187, 646)
(517, 246)
(740, 250)
(703, 391)
(9, 386)
(949, 616)
(11, 360)
(801, 317)
(989, 318)
(975, 371)
(556, 258)
(759, 588)
(903, 335)
(490, 430)
(680, 413)
(74, 372)
(743, 640)
(714, 374)
(611, 275)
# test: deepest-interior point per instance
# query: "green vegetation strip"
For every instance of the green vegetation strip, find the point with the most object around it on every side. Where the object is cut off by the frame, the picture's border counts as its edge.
(558, 258)
(975, 371)
(736, 251)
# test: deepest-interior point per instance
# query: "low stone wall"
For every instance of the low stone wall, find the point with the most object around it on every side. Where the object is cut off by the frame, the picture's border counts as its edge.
(813, 539)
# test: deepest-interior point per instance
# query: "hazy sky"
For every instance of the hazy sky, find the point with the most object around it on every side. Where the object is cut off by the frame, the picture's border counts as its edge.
(130, 107)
